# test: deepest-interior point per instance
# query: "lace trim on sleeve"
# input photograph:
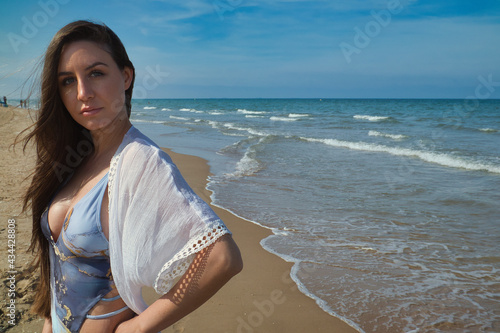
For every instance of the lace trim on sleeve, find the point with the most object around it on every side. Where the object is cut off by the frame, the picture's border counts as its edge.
(112, 173)
(179, 264)
(114, 162)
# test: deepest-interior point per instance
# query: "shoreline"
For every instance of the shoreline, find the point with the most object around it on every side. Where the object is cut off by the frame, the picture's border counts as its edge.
(262, 298)
(276, 304)
(293, 263)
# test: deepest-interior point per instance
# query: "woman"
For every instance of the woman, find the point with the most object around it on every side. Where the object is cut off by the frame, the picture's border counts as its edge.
(111, 212)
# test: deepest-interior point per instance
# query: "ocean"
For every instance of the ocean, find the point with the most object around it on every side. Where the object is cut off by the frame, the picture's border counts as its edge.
(390, 209)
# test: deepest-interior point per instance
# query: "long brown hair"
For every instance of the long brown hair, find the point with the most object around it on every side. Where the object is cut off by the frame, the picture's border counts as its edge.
(61, 143)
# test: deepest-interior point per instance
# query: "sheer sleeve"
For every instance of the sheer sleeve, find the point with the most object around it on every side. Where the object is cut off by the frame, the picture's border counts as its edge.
(157, 222)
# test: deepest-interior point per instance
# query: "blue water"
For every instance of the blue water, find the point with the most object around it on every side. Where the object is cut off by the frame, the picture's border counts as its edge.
(389, 208)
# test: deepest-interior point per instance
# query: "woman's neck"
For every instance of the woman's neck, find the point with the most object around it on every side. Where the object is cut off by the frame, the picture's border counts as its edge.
(107, 140)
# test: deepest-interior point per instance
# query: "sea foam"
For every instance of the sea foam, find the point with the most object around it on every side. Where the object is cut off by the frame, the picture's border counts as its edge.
(244, 111)
(249, 130)
(431, 157)
(190, 110)
(282, 119)
(386, 135)
(246, 166)
(178, 118)
(488, 130)
(371, 118)
(147, 121)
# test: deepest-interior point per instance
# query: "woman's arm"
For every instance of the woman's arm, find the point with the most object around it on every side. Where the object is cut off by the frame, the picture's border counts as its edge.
(212, 267)
(47, 326)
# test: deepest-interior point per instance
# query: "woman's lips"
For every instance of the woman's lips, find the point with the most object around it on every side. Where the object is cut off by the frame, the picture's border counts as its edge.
(90, 111)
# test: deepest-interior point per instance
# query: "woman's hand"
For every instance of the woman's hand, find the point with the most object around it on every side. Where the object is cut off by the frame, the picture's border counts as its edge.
(129, 326)
(211, 268)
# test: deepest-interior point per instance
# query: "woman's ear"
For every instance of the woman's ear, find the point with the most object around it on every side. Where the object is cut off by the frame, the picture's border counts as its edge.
(128, 74)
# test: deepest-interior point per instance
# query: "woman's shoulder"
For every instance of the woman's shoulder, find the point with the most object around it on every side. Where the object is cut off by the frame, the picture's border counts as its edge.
(135, 138)
(140, 160)
(139, 148)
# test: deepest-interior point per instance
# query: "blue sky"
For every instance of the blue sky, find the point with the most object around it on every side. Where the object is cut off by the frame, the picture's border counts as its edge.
(283, 48)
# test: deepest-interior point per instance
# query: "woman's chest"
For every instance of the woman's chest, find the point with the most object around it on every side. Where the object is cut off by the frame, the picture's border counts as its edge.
(78, 206)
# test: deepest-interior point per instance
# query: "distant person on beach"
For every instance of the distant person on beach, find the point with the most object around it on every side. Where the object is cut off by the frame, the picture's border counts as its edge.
(111, 212)
(4, 101)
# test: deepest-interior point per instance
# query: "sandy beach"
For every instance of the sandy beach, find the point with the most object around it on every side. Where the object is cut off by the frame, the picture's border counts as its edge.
(262, 298)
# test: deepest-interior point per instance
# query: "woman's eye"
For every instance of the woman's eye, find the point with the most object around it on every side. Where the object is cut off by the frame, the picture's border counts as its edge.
(96, 73)
(67, 81)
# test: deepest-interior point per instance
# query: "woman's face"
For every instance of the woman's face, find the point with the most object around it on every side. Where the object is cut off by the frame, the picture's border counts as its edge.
(91, 85)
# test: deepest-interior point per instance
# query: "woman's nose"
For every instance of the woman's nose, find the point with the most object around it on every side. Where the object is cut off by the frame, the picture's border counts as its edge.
(85, 91)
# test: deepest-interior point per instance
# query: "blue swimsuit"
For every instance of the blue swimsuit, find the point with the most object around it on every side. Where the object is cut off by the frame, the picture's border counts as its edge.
(80, 273)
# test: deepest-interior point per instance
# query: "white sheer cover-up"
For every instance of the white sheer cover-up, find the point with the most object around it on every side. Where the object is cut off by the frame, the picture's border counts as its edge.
(156, 222)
